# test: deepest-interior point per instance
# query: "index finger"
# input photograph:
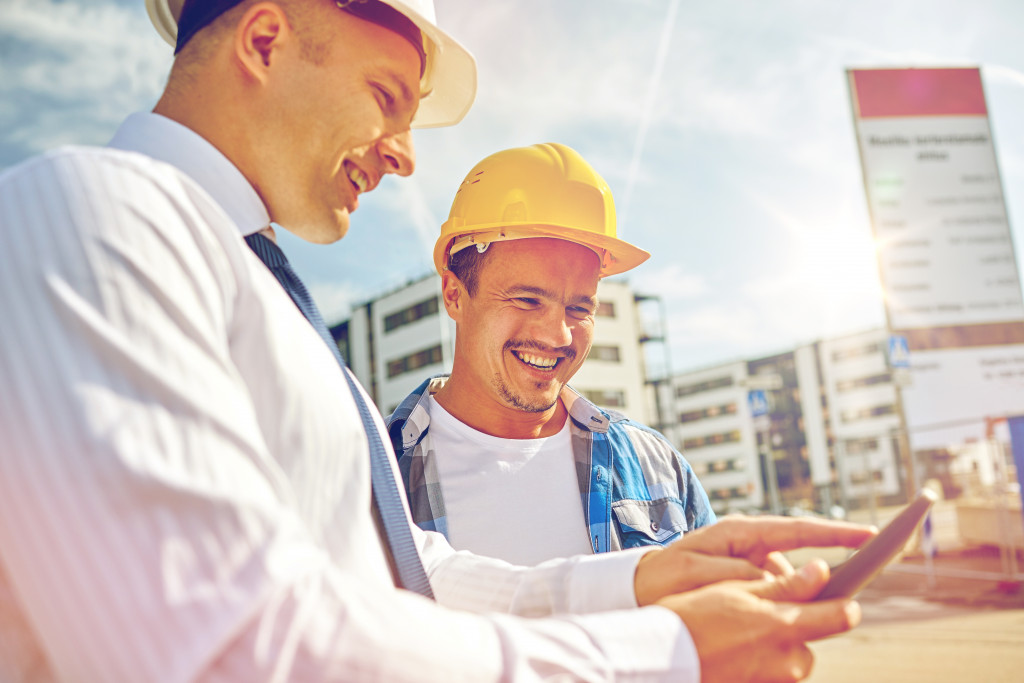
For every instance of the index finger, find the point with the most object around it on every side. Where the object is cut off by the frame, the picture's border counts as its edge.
(755, 537)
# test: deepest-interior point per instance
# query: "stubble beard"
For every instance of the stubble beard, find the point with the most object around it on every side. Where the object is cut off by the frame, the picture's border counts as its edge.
(518, 402)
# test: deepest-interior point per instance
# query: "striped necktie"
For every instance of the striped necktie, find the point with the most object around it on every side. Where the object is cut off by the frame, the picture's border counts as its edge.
(407, 564)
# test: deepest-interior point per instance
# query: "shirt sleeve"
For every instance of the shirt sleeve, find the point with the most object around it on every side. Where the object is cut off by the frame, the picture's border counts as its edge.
(144, 535)
(576, 585)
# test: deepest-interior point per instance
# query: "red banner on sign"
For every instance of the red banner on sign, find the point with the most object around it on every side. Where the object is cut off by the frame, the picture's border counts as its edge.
(918, 92)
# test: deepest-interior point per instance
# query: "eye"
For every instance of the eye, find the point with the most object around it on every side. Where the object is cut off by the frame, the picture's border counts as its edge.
(527, 301)
(385, 98)
(579, 311)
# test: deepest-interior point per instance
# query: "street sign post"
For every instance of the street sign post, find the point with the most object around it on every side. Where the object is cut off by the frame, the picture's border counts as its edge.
(758, 402)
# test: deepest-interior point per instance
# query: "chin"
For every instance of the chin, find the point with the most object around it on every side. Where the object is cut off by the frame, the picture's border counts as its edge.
(329, 232)
(316, 229)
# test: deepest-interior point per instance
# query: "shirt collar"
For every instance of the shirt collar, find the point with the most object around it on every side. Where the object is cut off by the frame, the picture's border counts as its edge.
(165, 140)
(413, 415)
(583, 412)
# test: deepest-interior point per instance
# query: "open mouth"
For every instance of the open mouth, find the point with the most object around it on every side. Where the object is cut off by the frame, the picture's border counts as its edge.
(359, 180)
(537, 362)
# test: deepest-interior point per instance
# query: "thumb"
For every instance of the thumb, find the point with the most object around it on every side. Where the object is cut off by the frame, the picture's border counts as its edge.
(801, 586)
(811, 620)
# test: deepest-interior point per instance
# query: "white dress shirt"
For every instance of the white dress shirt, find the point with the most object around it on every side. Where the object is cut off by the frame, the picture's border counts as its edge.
(184, 479)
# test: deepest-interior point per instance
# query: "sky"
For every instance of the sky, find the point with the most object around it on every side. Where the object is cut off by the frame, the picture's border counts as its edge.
(723, 128)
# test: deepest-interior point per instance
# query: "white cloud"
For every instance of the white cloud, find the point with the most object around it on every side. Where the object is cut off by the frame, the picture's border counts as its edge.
(672, 282)
(999, 74)
(72, 70)
(335, 300)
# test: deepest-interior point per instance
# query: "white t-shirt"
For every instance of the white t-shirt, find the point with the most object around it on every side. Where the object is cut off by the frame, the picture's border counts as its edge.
(514, 499)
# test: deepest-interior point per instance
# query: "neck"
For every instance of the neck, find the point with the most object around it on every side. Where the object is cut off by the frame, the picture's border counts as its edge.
(475, 409)
(208, 103)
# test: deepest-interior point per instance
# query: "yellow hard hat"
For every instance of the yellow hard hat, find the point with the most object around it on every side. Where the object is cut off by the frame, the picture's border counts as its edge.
(545, 190)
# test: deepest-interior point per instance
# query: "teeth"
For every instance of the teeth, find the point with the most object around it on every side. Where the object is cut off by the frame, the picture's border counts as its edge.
(537, 361)
(358, 178)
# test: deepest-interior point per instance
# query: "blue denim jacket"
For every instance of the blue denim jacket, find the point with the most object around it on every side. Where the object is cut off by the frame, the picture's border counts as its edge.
(636, 489)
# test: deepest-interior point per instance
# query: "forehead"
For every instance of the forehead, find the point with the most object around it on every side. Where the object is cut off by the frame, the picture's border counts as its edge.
(541, 261)
(371, 43)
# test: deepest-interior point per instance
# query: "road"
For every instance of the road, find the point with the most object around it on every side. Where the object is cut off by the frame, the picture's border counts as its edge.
(944, 630)
(911, 640)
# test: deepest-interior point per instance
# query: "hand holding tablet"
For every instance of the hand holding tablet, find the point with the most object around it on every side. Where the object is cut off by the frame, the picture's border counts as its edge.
(864, 565)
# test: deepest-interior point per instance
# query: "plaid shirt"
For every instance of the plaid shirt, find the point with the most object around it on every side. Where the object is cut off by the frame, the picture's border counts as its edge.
(636, 489)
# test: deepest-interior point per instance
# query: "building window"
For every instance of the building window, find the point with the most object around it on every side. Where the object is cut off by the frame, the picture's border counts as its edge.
(861, 446)
(700, 387)
(705, 413)
(725, 465)
(411, 314)
(858, 414)
(711, 440)
(606, 309)
(608, 353)
(870, 380)
(608, 398)
(727, 494)
(856, 352)
(414, 361)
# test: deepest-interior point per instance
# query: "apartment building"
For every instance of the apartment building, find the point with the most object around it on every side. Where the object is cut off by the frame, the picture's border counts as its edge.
(864, 414)
(828, 435)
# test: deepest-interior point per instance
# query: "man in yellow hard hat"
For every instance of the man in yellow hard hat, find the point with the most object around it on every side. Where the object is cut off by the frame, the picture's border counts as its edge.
(185, 468)
(502, 456)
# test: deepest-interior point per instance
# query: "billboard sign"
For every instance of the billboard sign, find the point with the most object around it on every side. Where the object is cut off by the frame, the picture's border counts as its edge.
(945, 252)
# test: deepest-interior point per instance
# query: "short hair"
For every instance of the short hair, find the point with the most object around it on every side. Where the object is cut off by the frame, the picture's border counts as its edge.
(314, 41)
(465, 264)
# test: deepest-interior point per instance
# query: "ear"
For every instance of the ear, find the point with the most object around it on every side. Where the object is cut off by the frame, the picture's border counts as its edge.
(261, 31)
(453, 294)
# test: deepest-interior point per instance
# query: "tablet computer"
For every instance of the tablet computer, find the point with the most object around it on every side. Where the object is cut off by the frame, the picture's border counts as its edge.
(852, 575)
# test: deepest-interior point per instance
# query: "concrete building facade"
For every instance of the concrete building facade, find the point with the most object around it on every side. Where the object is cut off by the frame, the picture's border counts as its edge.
(829, 436)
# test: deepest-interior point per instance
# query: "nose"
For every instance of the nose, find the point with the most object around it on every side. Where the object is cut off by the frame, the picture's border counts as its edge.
(398, 153)
(552, 328)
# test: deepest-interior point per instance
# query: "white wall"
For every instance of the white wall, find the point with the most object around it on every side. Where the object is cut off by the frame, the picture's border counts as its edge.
(627, 375)
(729, 471)
(840, 363)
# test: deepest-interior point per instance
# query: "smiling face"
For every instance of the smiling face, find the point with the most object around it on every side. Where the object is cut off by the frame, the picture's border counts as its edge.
(523, 334)
(335, 120)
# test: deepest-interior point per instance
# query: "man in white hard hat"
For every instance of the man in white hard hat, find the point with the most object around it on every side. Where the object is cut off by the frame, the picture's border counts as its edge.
(502, 457)
(186, 467)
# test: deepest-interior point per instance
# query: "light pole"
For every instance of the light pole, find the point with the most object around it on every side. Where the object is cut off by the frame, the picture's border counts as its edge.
(898, 360)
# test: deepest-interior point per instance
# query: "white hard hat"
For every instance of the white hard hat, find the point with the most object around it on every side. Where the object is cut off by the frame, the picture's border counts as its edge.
(448, 85)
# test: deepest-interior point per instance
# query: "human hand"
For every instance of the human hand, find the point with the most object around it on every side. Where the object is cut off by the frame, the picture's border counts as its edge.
(737, 547)
(757, 631)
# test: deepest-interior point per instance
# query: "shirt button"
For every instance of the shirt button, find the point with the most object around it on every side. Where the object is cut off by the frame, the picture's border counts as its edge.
(654, 526)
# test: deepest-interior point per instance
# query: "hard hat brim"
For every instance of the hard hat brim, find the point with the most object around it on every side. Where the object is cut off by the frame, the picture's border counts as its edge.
(450, 80)
(622, 255)
(451, 75)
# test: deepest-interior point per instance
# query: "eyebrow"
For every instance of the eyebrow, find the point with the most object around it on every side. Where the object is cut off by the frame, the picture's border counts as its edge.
(400, 83)
(541, 292)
